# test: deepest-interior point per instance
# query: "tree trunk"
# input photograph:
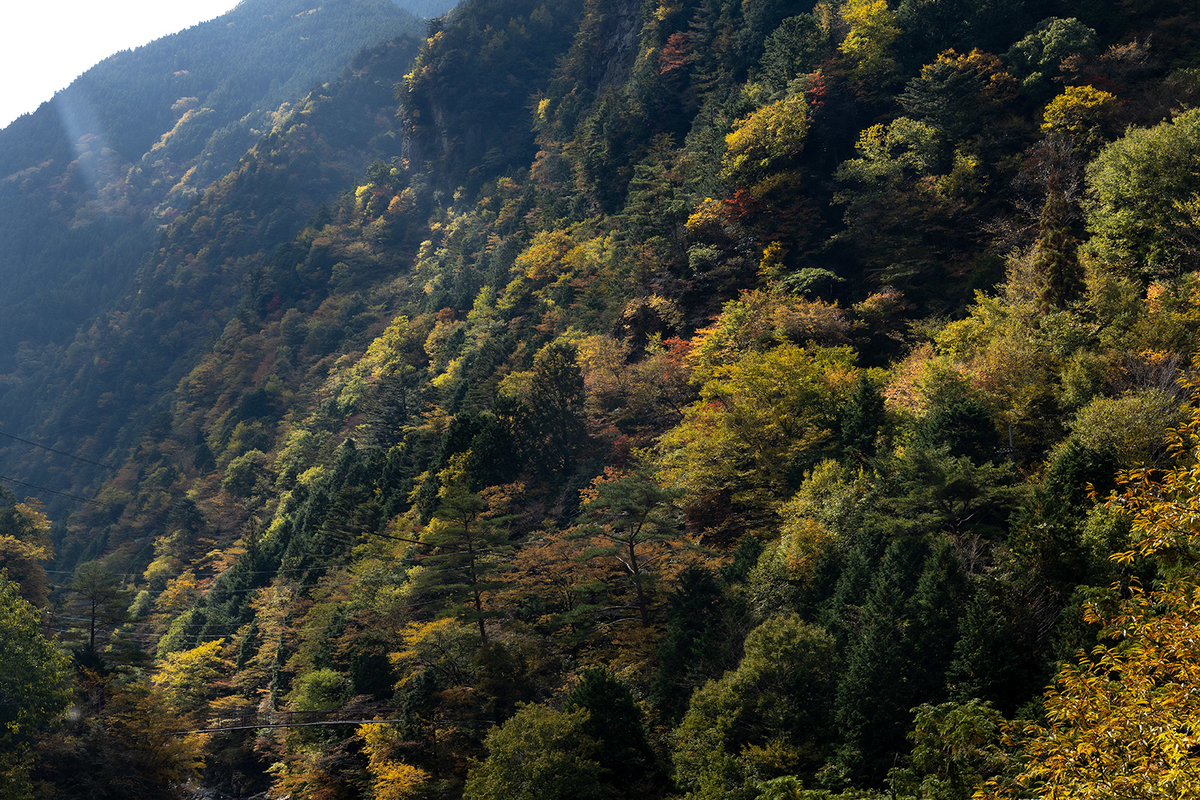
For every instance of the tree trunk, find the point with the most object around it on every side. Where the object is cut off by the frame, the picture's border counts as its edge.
(637, 585)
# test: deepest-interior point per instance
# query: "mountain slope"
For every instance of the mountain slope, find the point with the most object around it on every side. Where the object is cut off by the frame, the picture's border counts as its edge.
(86, 180)
(714, 398)
(106, 385)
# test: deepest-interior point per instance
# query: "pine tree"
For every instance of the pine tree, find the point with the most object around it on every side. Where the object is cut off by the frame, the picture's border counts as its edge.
(557, 414)
(98, 596)
(878, 686)
(635, 515)
(617, 723)
(465, 545)
(941, 592)
(1055, 256)
(694, 614)
(863, 418)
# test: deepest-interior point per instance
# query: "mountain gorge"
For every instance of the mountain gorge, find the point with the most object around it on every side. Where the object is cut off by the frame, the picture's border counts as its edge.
(608, 399)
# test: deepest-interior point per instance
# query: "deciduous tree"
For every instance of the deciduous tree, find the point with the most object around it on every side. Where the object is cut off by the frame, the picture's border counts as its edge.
(540, 754)
(1138, 213)
(760, 420)
(33, 686)
(24, 545)
(188, 678)
(1123, 721)
(768, 717)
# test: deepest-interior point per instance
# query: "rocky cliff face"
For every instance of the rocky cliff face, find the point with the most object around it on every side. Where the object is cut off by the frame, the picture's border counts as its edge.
(615, 48)
(467, 104)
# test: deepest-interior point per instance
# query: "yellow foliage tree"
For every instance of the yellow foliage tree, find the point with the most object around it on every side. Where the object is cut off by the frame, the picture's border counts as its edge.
(766, 139)
(444, 646)
(178, 595)
(188, 677)
(758, 417)
(873, 32)
(543, 259)
(759, 320)
(121, 742)
(1124, 721)
(1082, 114)
(392, 779)
(24, 545)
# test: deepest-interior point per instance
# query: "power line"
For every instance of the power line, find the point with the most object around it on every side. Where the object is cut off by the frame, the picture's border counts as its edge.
(294, 725)
(84, 459)
(214, 577)
(51, 491)
(286, 719)
(72, 572)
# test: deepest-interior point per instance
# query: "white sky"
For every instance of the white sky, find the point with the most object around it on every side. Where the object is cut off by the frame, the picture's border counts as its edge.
(46, 44)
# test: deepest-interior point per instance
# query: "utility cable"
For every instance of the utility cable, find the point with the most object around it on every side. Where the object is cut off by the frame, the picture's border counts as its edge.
(51, 491)
(84, 459)
(293, 725)
(214, 577)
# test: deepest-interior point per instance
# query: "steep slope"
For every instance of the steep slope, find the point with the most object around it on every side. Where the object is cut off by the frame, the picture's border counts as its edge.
(118, 373)
(87, 179)
(710, 398)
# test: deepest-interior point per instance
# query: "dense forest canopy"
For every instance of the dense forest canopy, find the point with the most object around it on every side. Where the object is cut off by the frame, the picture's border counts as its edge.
(687, 399)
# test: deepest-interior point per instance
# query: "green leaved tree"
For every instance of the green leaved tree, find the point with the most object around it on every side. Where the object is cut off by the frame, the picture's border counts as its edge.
(33, 687)
(540, 754)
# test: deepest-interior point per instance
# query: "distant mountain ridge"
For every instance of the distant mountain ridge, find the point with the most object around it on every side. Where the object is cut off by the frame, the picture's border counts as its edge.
(93, 395)
(87, 179)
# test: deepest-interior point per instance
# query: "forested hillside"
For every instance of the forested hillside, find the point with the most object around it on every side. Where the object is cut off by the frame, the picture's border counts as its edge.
(87, 180)
(694, 399)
